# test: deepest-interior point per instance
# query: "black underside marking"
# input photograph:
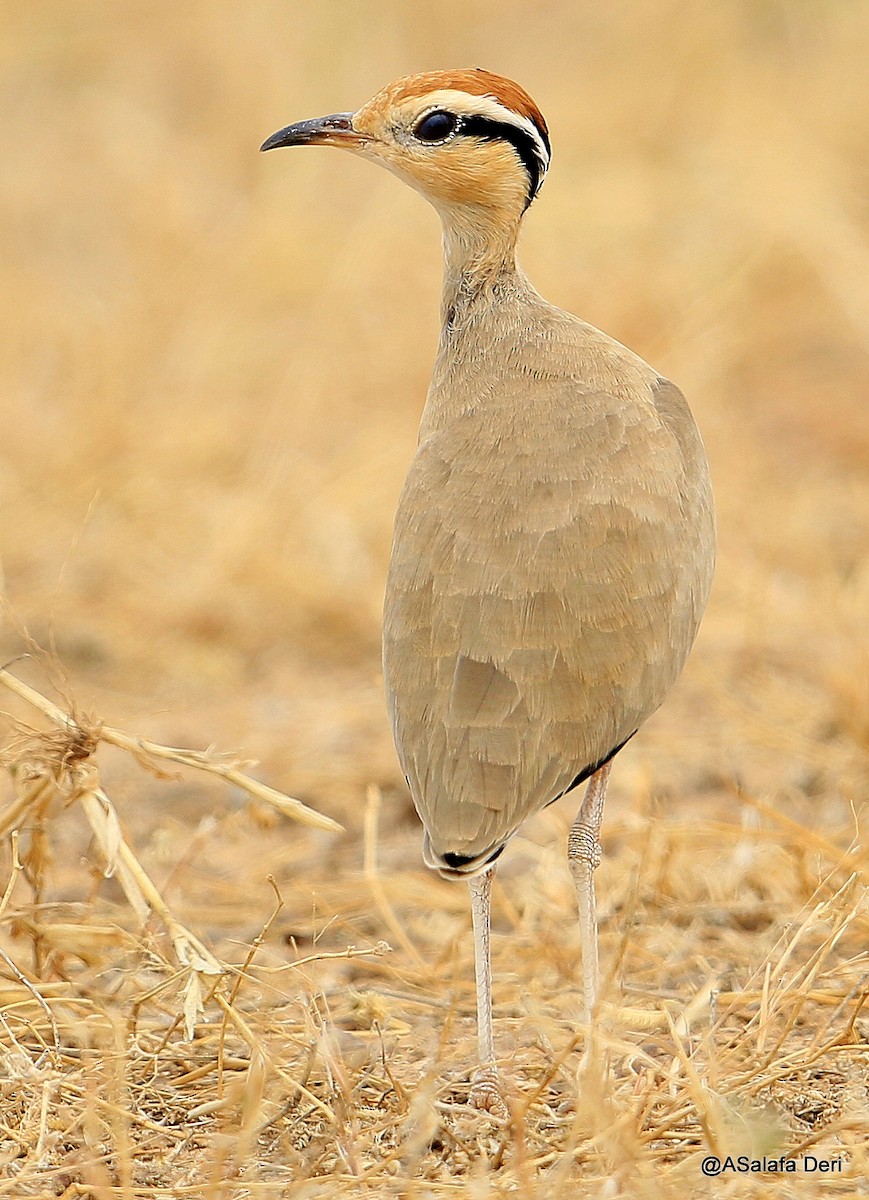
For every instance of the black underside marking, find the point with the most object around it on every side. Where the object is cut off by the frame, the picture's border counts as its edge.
(522, 143)
(457, 861)
(589, 771)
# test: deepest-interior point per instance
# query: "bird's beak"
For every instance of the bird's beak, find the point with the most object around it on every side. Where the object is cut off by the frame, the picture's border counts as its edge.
(335, 130)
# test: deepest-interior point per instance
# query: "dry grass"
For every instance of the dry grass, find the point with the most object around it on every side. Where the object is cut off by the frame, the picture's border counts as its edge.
(212, 371)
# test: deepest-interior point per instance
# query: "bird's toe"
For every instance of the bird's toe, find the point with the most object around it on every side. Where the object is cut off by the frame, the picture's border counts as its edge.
(485, 1094)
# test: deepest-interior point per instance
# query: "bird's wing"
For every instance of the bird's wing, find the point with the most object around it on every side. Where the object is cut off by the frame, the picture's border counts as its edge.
(545, 587)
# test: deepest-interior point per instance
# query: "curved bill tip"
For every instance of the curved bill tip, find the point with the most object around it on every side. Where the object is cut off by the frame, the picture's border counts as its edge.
(334, 130)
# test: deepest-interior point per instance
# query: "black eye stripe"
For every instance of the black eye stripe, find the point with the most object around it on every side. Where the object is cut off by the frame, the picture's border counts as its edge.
(440, 126)
(523, 143)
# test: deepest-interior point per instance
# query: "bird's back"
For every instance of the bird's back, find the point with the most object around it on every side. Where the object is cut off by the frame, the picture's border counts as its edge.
(552, 557)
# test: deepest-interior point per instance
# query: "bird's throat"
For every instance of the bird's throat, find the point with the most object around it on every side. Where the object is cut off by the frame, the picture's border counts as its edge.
(478, 247)
(478, 270)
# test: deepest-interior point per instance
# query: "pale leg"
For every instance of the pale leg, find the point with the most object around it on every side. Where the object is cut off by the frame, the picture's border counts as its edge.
(484, 1084)
(583, 854)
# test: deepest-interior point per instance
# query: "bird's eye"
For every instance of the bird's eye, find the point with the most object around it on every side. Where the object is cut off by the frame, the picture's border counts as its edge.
(436, 126)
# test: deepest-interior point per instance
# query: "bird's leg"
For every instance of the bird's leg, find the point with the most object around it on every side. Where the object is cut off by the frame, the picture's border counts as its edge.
(484, 1084)
(583, 854)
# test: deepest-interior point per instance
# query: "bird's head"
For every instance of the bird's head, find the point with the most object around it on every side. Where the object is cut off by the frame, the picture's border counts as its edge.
(474, 143)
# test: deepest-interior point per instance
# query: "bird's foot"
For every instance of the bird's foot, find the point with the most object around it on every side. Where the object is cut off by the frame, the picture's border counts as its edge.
(485, 1094)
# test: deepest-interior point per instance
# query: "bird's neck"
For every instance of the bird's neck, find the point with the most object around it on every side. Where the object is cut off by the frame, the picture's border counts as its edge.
(479, 261)
(488, 308)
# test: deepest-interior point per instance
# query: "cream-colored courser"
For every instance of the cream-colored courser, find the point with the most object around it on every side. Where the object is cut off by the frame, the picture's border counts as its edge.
(554, 541)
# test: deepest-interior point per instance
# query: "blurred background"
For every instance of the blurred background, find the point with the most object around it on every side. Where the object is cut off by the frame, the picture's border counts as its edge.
(213, 365)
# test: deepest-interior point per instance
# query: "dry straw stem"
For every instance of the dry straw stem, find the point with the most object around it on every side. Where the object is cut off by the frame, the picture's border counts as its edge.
(145, 750)
(67, 767)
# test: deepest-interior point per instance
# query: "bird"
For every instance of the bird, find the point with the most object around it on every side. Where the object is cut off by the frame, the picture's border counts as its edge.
(554, 541)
